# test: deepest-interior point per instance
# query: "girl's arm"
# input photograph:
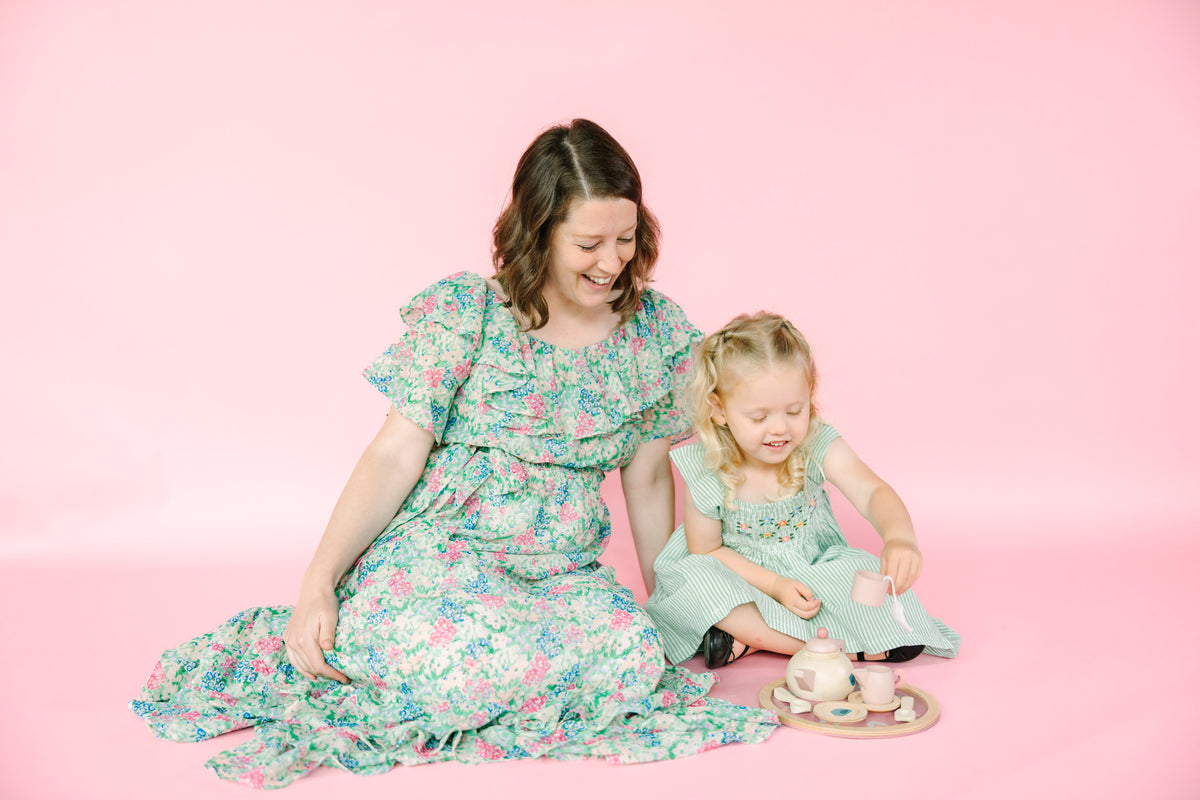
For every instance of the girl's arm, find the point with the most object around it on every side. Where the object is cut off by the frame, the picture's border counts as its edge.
(386, 473)
(882, 507)
(704, 538)
(650, 499)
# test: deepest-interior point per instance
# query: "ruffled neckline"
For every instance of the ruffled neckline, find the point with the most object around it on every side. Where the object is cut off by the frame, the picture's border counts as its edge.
(613, 339)
(466, 361)
(546, 389)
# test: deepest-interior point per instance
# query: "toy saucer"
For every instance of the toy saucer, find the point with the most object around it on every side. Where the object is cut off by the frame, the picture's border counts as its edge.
(841, 712)
(874, 725)
(856, 697)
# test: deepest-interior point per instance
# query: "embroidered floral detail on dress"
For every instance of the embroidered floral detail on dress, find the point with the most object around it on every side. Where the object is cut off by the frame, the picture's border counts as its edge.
(783, 526)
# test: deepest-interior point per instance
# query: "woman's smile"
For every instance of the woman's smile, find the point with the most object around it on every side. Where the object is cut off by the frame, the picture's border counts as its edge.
(588, 250)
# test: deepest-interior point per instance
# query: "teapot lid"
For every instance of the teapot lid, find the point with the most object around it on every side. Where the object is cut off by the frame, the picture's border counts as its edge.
(823, 644)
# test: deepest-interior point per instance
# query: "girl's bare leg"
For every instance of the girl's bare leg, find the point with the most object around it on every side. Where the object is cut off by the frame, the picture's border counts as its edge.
(748, 629)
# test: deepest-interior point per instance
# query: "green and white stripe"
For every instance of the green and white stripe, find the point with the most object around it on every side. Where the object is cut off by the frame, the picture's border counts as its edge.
(797, 537)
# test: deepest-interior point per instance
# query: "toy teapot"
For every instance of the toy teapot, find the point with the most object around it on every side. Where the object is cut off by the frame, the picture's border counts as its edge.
(820, 670)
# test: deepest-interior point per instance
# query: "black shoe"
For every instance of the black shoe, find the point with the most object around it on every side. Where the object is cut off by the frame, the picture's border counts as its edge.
(717, 647)
(897, 655)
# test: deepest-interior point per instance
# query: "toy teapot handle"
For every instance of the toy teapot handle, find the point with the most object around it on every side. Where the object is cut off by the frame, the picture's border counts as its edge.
(897, 609)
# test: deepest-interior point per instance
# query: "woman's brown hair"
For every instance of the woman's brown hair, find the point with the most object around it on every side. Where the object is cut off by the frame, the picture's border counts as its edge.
(579, 161)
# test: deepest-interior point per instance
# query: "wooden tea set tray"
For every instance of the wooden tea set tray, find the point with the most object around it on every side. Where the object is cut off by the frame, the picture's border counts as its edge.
(876, 724)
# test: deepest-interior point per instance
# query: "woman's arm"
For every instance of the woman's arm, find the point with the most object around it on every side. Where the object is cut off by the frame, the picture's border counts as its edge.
(882, 507)
(384, 476)
(650, 499)
(704, 538)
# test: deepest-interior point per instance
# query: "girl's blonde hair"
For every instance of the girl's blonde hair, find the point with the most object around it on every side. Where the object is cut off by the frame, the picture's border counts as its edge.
(749, 342)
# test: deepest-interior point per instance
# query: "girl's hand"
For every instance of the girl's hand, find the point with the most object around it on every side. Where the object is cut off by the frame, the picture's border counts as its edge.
(902, 560)
(795, 597)
(310, 633)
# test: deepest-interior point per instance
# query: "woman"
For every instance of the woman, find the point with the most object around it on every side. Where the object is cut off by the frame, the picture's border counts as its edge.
(455, 609)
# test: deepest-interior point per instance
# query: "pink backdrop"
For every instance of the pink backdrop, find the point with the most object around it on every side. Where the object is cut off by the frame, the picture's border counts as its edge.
(982, 214)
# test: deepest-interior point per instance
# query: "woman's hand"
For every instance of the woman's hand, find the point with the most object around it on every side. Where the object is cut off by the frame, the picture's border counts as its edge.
(384, 476)
(902, 561)
(795, 597)
(310, 634)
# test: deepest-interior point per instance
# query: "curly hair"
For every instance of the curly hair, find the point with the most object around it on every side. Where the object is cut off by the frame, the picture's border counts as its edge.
(748, 343)
(579, 161)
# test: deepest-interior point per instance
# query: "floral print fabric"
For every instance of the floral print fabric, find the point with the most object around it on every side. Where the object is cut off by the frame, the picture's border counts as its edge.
(479, 625)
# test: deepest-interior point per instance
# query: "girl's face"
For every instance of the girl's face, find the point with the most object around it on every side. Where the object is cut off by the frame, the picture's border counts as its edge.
(767, 412)
(588, 250)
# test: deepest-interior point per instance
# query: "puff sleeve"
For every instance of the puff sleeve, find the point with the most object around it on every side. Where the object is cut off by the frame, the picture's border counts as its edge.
(708, 493)
(817, 448)
(669, 339)
(423, 370)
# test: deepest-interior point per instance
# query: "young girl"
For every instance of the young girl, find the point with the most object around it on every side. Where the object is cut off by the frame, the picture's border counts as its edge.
(760, 563)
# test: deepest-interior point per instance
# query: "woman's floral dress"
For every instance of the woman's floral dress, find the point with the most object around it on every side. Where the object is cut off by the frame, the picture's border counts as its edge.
(479, 625)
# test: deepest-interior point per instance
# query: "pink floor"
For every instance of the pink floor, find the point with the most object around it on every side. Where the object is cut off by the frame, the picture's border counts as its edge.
(983, 213)
(1075, 686)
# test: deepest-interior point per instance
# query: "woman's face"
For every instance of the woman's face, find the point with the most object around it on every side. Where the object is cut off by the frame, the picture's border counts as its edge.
(588, 250)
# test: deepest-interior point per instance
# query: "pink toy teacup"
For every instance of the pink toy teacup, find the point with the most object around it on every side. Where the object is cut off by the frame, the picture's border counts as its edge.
(869, 588)
(877, 684)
